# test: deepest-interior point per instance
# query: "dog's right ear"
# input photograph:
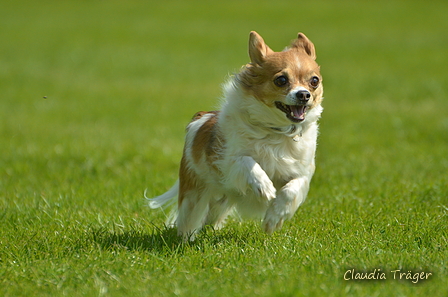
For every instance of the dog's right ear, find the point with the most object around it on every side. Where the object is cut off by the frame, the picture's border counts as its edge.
(258, 50)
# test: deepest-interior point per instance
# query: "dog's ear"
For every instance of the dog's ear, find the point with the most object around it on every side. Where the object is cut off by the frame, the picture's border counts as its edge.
(258, 50)
(303, 42)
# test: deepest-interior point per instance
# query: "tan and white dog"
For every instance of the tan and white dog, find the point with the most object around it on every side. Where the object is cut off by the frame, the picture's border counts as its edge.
(256, 155)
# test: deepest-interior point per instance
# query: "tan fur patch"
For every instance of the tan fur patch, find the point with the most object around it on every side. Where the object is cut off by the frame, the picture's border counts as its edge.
(207, 139)
(206, 142)
(297, 63)
(187, 180)
(257, 80)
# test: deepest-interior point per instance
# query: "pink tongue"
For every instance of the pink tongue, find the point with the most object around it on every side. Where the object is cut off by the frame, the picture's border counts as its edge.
(298, 111)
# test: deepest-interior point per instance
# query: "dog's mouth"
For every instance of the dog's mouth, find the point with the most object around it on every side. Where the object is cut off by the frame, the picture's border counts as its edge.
(295, 113)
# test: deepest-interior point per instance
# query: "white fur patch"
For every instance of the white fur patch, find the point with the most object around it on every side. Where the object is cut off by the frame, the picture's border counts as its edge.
(244, 172)
(291, 98)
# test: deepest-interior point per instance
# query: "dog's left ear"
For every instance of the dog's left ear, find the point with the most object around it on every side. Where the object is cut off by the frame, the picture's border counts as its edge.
(303, 42)
(258, 49)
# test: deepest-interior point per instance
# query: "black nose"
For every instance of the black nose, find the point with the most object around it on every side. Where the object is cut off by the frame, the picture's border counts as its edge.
(303, 95)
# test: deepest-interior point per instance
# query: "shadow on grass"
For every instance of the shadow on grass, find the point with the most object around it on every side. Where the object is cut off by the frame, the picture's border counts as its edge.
(166, 241)
(159, 240)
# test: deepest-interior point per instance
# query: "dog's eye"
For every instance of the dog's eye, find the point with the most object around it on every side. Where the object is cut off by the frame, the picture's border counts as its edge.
(281, 81)
(314, 82)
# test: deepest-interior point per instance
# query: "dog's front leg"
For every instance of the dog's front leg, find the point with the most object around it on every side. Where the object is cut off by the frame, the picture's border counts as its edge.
(244, 171)
(285, 205)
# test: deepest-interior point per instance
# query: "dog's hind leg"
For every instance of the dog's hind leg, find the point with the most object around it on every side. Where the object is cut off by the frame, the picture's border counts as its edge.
(193, 203)
(219, 209)
(193, 210)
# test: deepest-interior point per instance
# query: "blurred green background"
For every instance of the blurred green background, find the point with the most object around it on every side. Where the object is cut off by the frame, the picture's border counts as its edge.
(128, 75)
(95, 97)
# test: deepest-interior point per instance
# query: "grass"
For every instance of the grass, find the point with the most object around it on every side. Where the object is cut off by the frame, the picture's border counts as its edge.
(122, 79)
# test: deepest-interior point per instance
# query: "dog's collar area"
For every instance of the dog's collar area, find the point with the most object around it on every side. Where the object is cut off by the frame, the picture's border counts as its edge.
(290, 131)
(294, 131)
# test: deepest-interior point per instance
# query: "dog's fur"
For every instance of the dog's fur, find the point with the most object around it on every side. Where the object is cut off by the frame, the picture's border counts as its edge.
(256, 155)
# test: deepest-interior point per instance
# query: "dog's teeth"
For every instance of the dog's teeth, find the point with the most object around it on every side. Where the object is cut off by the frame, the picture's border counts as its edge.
(292, 114)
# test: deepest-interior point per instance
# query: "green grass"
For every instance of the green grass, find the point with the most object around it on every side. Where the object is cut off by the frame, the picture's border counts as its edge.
(121, 81)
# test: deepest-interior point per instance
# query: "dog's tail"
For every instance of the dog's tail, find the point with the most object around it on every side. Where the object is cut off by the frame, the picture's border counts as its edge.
(165, 200)
(161, 200)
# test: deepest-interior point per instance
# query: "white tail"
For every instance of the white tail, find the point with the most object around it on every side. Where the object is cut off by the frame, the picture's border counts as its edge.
(165, 200)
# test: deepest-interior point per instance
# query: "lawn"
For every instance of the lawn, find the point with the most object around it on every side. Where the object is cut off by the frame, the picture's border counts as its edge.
(94, 100)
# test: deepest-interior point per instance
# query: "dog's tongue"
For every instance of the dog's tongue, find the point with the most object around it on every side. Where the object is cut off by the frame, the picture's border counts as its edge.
(298, 111)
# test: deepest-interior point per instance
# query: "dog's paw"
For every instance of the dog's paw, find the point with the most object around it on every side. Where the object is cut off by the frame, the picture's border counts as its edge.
(263, 187)
(271, 225)
(279, 210)
(274, 220)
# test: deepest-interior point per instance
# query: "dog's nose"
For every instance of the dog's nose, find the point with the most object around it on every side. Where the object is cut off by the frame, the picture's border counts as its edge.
(303, 95)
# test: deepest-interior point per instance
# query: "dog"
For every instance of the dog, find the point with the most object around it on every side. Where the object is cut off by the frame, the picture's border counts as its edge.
(256, 156)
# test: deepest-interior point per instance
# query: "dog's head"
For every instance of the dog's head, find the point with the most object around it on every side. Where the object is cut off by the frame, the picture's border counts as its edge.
(288, 83)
